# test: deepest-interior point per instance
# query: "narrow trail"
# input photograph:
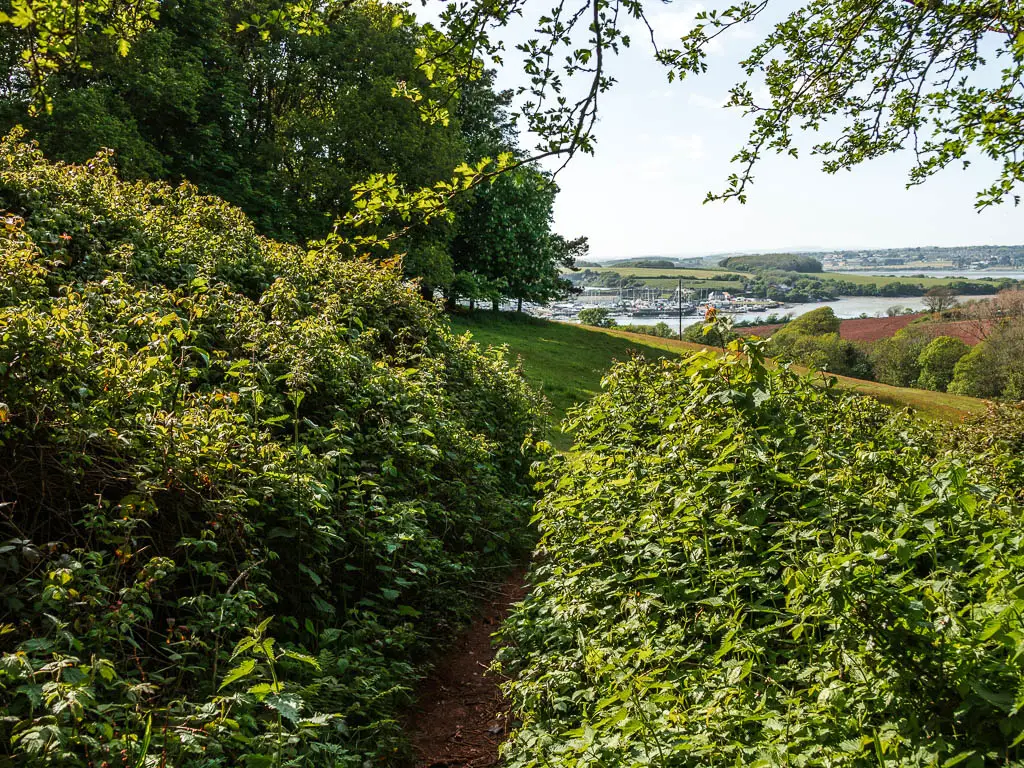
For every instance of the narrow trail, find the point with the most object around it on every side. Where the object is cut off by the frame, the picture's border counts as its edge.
(462, 718)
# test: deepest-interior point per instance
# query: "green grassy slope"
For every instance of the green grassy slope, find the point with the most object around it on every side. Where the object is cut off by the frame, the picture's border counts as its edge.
(567, 363)
(908, 277)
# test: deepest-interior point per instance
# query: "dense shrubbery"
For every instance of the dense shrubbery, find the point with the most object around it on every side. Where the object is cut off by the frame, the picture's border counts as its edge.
(740, 567)
(813, 340)
(995, 366)
(661, 330)
(209, 440)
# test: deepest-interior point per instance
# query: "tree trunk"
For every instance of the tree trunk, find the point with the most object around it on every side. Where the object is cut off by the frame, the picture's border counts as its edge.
(472, 305)
(494, 305)
(519, 305)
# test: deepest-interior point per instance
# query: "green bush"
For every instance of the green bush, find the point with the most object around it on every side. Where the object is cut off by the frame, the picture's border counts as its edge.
(895, 360)
(244, 486)
(817, 322)
(662, 330)
(597, 316)
(938, 360)
(742, 567)
(813, 340)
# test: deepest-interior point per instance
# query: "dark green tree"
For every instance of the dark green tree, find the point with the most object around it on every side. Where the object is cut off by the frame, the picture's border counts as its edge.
(938, 360)
(599, 317)
(504, 247)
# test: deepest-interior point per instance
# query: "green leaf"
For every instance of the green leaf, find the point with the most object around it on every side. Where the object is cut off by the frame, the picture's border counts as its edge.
(239, 672)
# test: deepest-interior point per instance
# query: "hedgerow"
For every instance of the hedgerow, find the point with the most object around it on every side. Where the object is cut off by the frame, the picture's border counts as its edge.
(742, 567)
(243, 486)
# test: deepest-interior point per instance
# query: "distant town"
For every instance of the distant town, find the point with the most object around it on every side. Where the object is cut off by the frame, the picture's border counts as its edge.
(972, 257)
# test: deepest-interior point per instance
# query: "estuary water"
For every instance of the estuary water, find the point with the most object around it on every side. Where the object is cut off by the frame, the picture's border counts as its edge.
(848, 307)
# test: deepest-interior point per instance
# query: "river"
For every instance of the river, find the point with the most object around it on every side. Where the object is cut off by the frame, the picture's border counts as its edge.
(848, 307)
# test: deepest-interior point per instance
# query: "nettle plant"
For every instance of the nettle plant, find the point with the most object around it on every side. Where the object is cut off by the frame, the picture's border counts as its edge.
(242, 485)
(740, 566)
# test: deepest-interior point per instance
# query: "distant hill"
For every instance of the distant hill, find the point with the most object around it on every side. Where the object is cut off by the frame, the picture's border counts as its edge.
(645, 262)
(786, 262)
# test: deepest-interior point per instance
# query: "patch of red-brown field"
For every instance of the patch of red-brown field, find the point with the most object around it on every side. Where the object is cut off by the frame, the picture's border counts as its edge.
(876, 328)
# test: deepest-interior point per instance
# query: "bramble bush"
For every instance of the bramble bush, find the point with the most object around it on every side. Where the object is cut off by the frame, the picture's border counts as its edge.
(243, 486)
(739, 566)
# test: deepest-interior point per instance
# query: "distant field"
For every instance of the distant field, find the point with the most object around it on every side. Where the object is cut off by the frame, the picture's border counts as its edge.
(670, 283)
(874, 328)
(879, 280)
(567, 362)
(671, 274)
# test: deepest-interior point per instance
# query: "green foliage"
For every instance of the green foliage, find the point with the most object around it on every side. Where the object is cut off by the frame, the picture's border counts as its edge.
(938, 360)
(977, 373)
(662, 330)
(895, 360)
(817, 322)
(245, 486)
(282, 127)
(786, 262)
(504, 239)
(597, 316)
(944, 80)
(743, 567)
(641, 263)
(715, 334)
(813, 340)
(994, 367)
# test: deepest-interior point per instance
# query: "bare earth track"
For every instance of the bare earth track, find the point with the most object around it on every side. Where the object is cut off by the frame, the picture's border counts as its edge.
(462, 718)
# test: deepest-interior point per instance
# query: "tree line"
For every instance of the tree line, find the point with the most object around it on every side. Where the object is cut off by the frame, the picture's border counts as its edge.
(283, 124)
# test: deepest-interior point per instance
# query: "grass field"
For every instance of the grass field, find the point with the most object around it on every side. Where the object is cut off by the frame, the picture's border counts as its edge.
(670, 274)
(567, 363)
(564, 361)
(880, 280)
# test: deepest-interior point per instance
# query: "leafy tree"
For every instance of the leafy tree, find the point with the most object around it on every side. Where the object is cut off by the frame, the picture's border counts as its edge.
(894, 361)
(995, 366)
(785, 262)
(940, 299)
(943, 79)
(597, 316)
(817, 322)
(661, 330)
(504, 240)
(977, 373)
(282, 126)
(938, 360)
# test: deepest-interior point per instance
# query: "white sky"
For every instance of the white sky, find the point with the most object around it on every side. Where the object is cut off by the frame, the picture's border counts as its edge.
(662, 147)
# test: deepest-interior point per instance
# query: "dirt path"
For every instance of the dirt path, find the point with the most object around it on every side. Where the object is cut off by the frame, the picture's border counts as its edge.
(462, 716)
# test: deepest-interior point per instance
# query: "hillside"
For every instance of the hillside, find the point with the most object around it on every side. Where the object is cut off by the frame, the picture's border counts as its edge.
(876, 328)
(567, 362)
